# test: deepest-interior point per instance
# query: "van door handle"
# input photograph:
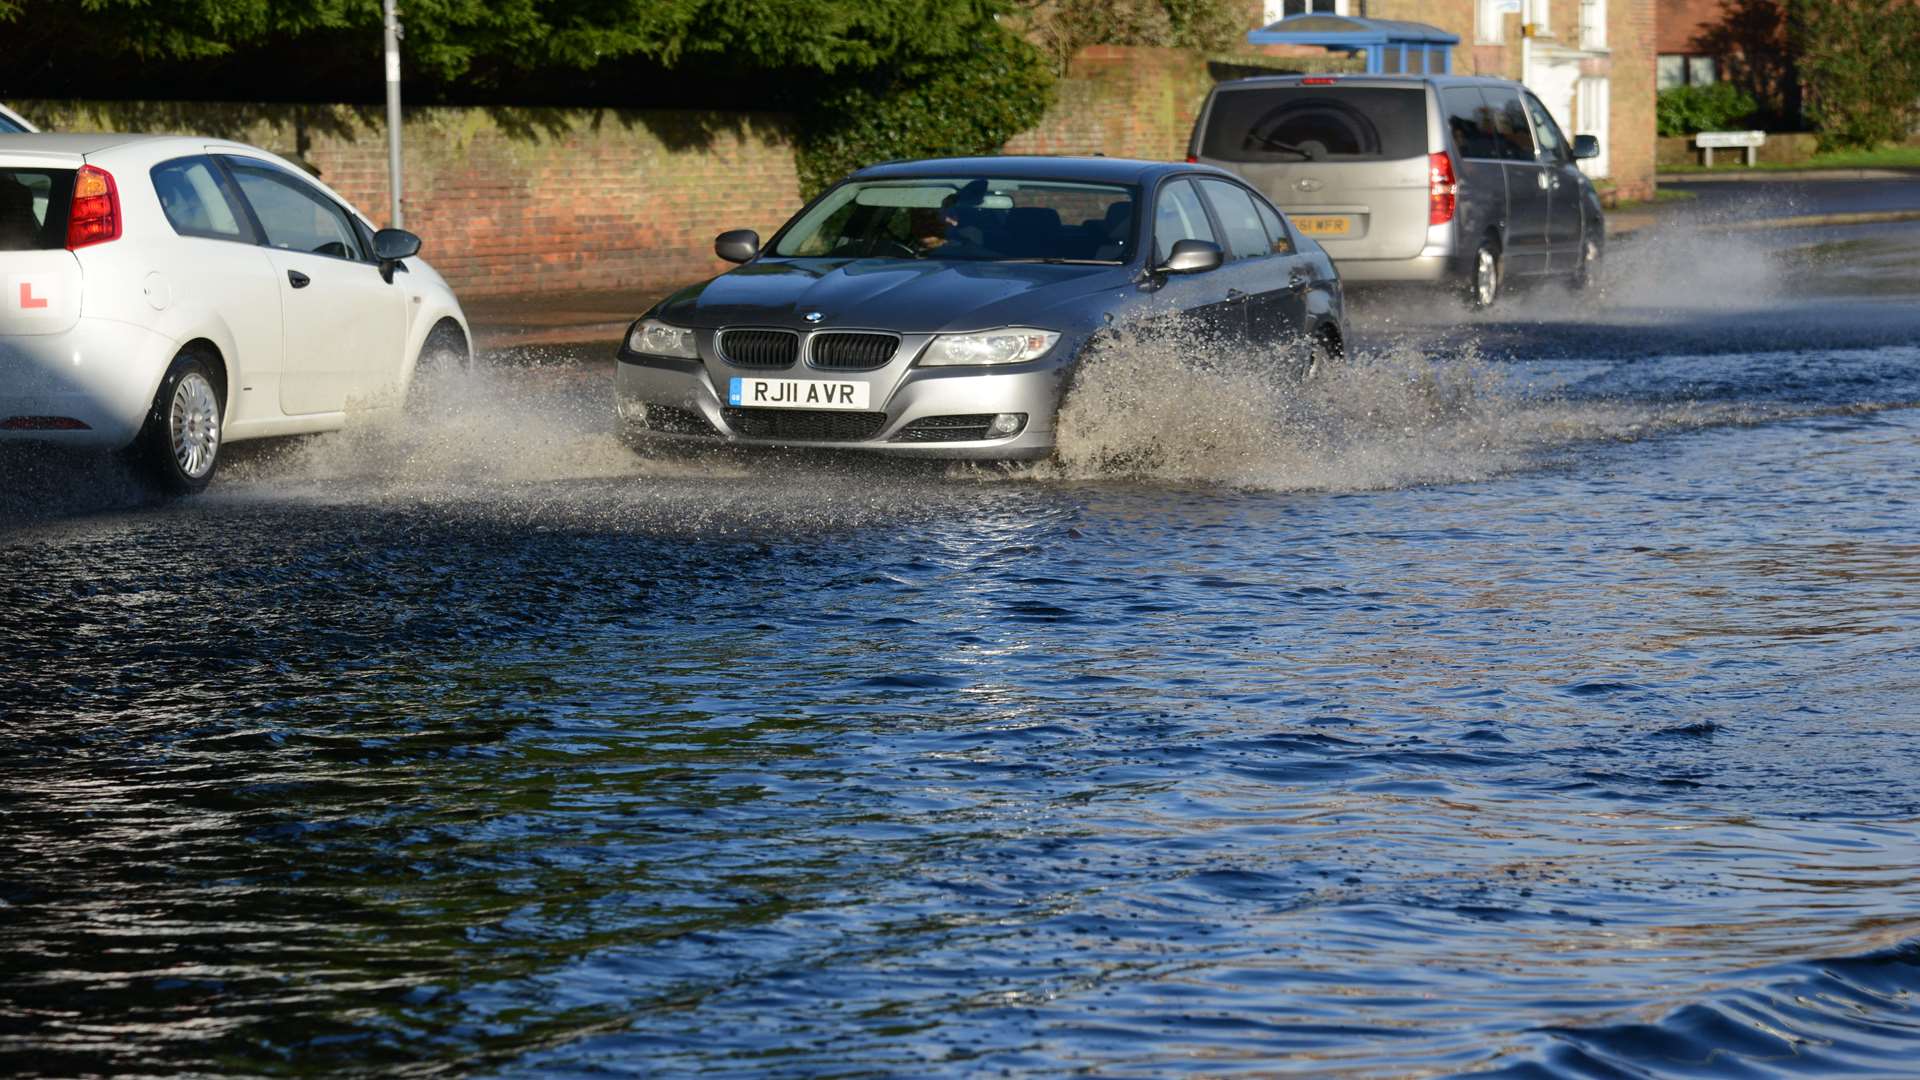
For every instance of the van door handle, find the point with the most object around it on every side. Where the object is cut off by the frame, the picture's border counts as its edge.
(1298, 280)
(1236, 294)
(298, 280)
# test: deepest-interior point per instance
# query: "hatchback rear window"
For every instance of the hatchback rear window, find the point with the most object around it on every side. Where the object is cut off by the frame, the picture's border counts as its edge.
(1317, 123)
(33, 208)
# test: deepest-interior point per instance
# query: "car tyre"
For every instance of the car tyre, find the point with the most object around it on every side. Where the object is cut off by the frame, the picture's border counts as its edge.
(1589, 267)
(1484, 280)
(443, 355)
(179, 444)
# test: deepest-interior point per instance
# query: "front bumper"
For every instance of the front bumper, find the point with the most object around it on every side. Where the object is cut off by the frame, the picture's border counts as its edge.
(100, 372)
(913, 409)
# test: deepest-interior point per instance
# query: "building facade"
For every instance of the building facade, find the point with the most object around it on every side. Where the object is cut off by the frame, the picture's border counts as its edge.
(1591, 62)
(1681, 58)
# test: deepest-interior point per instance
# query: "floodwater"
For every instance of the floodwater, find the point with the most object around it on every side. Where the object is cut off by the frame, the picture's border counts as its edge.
(1537, 695)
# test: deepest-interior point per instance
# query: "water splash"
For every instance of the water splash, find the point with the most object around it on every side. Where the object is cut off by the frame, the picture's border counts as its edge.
(1159, 408)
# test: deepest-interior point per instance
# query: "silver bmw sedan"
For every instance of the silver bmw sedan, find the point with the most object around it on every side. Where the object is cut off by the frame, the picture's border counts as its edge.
(937, 308)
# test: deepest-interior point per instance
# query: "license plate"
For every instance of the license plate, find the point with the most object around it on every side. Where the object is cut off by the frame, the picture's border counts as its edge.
(796, 394)
(1323, 224)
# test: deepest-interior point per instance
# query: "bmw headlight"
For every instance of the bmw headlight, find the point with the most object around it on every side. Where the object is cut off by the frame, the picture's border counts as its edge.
(1014, 345)
(655, 338)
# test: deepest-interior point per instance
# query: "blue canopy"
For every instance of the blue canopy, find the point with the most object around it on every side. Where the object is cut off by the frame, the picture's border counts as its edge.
(1390, 45)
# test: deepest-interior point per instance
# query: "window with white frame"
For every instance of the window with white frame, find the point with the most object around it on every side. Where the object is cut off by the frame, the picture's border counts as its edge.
(1280, 9)
(1490, 20)
(1593, 24)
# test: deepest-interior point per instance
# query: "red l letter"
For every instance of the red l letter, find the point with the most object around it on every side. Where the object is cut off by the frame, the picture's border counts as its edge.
(27, 299)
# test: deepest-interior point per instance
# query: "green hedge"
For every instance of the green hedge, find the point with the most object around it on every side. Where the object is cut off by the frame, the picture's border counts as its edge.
(1685, 110)
(935, 108)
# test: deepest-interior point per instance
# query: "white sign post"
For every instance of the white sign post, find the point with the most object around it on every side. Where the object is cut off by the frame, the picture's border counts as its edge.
(1709, 141)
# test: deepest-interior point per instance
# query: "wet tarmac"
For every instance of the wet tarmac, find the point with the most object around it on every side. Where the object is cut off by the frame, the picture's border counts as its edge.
(1535, 695)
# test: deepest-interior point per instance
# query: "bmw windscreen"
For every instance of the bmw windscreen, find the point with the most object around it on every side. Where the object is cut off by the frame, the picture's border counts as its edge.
(979, 219)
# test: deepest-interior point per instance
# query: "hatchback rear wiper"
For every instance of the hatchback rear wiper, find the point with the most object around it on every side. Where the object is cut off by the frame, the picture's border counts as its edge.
(1285, 148)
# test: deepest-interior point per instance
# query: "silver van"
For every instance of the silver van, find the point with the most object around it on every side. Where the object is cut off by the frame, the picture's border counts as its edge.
(1456, 180)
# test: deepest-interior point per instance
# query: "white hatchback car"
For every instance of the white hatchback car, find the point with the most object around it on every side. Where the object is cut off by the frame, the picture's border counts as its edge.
(171, 294)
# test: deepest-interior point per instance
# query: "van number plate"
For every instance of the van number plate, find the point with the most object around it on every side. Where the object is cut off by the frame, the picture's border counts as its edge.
(796, 394)
(1323, 224)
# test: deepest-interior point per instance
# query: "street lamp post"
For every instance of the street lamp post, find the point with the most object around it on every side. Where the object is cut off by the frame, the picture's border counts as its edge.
(393, 113)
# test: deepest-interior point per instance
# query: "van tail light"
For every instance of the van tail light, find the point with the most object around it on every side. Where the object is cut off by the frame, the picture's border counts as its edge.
(95, 216)
(1441, 189)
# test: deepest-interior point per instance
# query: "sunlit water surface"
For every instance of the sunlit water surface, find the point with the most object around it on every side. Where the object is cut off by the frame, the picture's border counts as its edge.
(1540, 709)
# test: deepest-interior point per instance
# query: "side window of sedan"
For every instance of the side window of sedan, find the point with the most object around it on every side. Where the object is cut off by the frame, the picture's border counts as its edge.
(1277, 233)
(296, 217)
(197, 202)
(1246, 235)
(1178, 216)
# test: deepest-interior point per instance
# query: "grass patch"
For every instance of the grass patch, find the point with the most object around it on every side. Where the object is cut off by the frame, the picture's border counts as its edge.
(1885, 157)
(1660, 195)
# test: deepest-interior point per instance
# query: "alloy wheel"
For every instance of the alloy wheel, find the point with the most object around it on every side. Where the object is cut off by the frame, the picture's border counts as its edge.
(194, 421)
(1486, 277)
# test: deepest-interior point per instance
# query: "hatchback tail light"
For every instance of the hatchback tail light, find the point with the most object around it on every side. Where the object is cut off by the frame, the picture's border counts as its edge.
(95, 216)
(1317, 81)
(1193, 159)
(1441, 189)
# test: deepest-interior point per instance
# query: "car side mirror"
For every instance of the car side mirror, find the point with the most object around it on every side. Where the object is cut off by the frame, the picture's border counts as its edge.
(1585, 146)
(737, 246)
(1193, 257)
(392, 245)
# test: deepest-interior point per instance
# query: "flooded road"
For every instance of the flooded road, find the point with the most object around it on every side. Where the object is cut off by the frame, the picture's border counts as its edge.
(1535, 695)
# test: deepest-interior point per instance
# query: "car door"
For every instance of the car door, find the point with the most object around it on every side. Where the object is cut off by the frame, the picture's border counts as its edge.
(215, 264)
(1207, 304)
(1480, 205)
(1563, 187)
(1268, 272)
(1529, 185)
(343, 324)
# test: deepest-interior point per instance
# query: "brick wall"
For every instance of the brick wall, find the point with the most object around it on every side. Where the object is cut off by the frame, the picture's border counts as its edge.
(525, 200)
(1630, 36)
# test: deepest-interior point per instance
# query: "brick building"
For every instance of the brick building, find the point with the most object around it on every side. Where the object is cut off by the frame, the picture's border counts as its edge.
(1681, 59)
(1591, 62)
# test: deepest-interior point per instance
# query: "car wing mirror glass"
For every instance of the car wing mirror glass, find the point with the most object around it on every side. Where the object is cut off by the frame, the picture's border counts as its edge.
(1586, 146)
(737, 246)
(392, 245)
(1193, 257)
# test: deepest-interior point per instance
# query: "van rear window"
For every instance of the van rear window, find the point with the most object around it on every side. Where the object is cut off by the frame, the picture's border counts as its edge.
(33, 208)
(1317, 123)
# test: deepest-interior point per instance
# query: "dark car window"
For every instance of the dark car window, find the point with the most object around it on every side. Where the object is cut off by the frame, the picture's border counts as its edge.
(196, 201)
(33, 208)
(1476, 134)
(296, 216)
(1280, 241)
(1510, 124)
(1178, 216)
(1317, 123)
(970, 218)
(8, 127)
(1552, 144)
(1246, 235)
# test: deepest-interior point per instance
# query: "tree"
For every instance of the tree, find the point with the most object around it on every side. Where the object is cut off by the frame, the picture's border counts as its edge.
(1755, 46)
(1061, 28)
(1861, 62)
(871, 79)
